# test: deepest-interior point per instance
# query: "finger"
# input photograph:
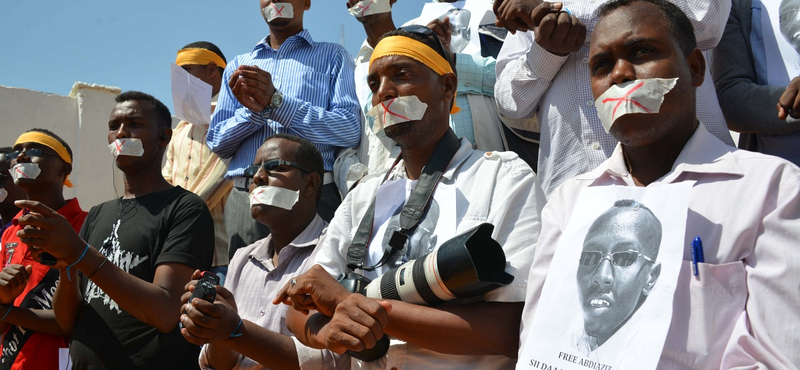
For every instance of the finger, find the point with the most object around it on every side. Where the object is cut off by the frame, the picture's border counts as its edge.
(282, 295)
(497, 7)
(544, 33)
(542, 10)
(786, 101)
(782, 113)
(563, 24)
(207, 308)
(191, 338)
(35, 206)
(199, 332)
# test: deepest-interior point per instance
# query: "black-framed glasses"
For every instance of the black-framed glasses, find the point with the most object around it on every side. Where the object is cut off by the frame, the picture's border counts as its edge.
(621, 259)
(271, 165)
(427, 32)
(30, 153)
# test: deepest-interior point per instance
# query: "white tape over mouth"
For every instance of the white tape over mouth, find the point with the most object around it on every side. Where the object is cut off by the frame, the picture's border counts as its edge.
(274, 196)
(639, 96)
(369, 7)
(28, 171)
(129, 146)
(398, 110)
(277, 10)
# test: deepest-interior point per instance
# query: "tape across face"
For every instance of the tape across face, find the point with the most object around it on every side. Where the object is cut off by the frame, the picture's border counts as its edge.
(277, 10)
(369, 7)
(639, 96)
(398, 110)
(129, 146)
(25, 171)
(274, 196)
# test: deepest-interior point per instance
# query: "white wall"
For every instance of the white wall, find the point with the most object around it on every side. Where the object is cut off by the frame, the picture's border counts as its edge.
(81, 119)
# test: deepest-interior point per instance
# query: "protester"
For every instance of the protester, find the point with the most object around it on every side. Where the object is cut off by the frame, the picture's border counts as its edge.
(40, 166)
(745, 206)
(135, 254)
(543, 74)
(285, 167)
(288, 84)
(190, 164)
(475, 187)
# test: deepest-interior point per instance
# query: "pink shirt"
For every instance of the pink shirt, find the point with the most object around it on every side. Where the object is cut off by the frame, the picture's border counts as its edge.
(742, 308)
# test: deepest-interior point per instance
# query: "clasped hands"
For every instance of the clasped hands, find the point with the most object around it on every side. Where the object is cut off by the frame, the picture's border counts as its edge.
(252, 87)
(556, 30)
(351, 321)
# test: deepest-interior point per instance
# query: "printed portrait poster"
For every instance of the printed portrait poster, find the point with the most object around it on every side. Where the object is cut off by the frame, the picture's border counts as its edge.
(465, 16)
(780, 31)
(607, 300)
(191, 97)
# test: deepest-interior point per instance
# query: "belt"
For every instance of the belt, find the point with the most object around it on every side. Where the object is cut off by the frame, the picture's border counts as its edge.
(243, 183)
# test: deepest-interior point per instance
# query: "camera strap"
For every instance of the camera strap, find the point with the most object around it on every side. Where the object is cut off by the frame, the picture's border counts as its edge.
(413, 210)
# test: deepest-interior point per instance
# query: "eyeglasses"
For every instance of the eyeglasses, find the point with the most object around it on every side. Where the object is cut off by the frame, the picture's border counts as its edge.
(427, 32)
(271, 165)
(621, 259)
(30, 153)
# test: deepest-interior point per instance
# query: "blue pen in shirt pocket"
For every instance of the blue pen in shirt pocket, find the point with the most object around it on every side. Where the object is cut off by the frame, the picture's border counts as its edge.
(697, 254)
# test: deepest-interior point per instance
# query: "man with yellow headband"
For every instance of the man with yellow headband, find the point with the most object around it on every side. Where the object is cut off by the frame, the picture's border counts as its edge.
(409, 76)
(40, 165)
(190, 163)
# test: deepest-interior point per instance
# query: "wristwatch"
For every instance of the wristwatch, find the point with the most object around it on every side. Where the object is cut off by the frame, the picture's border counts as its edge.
(277, 100)
(275, 103)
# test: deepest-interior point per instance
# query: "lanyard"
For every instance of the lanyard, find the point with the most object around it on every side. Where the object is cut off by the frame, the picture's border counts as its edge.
(413, 210)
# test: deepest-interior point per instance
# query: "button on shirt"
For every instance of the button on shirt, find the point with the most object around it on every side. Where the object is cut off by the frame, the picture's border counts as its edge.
(319, 102)
(532, 82)
(741, 309)
(255, 280)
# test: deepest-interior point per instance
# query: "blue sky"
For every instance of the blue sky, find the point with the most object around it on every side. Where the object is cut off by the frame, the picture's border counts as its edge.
(48, 45)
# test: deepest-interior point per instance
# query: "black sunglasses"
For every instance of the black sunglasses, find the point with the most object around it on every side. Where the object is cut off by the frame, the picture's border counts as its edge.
(621, 259)
(30, 153)
(271, 165)
(427, 32)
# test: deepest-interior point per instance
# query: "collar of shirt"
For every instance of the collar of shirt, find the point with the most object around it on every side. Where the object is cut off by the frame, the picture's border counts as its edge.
(703, 153)
(302, 35)
(464, 151)
(310, 237)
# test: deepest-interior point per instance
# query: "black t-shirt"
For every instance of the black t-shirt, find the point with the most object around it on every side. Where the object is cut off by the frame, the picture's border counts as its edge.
(137, 235)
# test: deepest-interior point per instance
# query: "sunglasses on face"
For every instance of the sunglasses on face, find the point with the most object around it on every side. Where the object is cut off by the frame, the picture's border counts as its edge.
(30, 153)
(621, 259)
(427, 32)
(271, 165)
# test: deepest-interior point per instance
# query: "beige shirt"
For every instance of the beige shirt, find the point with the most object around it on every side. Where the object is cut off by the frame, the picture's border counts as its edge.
(191, 165)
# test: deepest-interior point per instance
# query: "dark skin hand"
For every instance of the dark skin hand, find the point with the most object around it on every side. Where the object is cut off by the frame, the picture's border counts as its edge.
(208, 322)
(252, 87)
(555, 30)
(444, 30)
(13, 280)
(789, 103)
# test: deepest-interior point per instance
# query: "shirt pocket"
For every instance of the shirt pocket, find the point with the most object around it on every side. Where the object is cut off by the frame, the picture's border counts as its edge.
(705, 310)
(315, 88)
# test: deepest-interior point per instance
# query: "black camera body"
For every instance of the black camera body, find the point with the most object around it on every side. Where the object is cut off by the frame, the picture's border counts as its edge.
(205, 287)
(357, 283)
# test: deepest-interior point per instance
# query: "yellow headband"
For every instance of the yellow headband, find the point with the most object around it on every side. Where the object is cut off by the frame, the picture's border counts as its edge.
(405, 46)
(198, 56)
(50, 142)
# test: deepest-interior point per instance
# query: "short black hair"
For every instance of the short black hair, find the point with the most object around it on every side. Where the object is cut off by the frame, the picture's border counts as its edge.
(208, 46)
(679, 24)
(58, 138)
(163, 117)
(429, 41)
(307, 156)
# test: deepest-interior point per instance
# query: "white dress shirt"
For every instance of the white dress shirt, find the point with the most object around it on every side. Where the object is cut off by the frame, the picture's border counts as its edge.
(532, 82)
(741, 309)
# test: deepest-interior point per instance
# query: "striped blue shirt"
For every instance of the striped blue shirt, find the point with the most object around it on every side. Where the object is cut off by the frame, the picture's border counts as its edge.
(319, 102)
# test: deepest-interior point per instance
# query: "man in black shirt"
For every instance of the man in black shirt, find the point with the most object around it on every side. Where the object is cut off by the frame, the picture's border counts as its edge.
(134, 254)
